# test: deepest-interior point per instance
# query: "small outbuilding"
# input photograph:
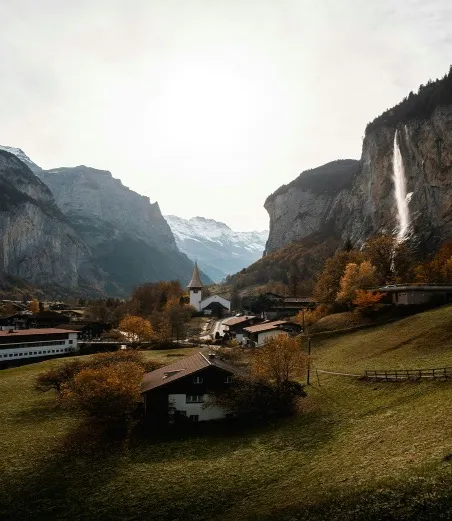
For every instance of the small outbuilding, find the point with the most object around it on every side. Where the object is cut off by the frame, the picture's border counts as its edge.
(257, 335)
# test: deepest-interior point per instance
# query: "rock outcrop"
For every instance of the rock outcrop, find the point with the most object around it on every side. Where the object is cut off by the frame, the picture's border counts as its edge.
(37, 244)
(128, 237)
(355, 200)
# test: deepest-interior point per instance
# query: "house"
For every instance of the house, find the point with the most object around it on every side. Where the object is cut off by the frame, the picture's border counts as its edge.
(258, 334)
(26, 344)
(182, 389)
(213, 305)
(413, 294)
(235, 326)
(27, 320)
(276, 306)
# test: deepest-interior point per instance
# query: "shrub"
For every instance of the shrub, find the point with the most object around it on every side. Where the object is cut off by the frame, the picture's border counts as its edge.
(56, 377)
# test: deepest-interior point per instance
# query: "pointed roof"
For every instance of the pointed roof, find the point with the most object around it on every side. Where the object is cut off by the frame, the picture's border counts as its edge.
(195, 280)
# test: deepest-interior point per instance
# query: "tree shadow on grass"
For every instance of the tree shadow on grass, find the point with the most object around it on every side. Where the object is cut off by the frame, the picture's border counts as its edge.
(38, 413)
(61, 487)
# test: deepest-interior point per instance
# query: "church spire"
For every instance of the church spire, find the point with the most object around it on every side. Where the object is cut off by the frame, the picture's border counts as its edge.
(195, 282)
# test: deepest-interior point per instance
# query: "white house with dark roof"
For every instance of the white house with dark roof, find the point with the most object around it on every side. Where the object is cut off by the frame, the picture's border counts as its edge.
(215, 304)
(182, 389)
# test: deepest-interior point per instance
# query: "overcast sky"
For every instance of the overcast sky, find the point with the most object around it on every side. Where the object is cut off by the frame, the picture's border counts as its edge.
(208, 106)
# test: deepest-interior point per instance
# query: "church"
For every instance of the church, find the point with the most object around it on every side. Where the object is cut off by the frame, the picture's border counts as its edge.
(213, 305)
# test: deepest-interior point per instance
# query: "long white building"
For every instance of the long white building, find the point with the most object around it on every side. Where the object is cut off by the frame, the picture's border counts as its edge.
(23, 344)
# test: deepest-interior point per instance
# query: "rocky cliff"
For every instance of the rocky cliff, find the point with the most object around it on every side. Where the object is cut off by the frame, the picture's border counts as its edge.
(37, 244)
(127, 234)
(354, 200)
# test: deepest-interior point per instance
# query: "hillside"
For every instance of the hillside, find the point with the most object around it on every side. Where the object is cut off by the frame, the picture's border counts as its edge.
(358, 450)
(218, 249)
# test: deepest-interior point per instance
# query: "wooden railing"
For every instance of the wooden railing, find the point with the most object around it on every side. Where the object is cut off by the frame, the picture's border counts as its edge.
(409, 374)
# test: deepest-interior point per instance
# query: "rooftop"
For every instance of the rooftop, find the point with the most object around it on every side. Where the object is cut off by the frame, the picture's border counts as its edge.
(184, 367)
(27, 332)
(266, 326)
(195, 280)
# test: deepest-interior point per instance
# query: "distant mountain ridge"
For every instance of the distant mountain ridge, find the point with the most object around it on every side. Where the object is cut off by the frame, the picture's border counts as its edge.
(218, 249)
(121, 236)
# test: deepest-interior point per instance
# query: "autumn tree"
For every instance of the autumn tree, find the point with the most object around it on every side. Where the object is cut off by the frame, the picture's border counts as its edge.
(439, 269)
(138, 329)
(34, 306)
(55, 377)
(109, 394)
(367, 300)
(328, 283)
(356, 276)
(279, 360)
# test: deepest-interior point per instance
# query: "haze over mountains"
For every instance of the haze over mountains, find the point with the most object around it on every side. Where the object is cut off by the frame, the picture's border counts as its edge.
(219, 250)
(79, 229)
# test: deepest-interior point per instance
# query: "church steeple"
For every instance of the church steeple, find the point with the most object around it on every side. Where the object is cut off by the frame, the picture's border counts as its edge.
(195, 282)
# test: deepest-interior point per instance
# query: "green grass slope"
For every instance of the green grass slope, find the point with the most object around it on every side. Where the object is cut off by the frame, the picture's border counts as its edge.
(358, 450)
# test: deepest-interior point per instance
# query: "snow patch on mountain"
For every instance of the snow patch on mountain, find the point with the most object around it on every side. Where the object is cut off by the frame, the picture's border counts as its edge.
(218, 249)
(20, 154)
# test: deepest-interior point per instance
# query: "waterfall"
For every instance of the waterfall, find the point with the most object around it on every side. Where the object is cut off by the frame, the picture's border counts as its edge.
(401, 196)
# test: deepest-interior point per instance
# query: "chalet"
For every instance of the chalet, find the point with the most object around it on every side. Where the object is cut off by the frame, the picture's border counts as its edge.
(277, 306)
(27, 320)
(258, 334)
(235, 326)
(18, 345)
(181, 390)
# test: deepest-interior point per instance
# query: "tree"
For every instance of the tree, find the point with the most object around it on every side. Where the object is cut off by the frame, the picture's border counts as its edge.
(367, 300)
(356, 276)
(138, 329)
(34, 306)
(379, 251)
(279, 360)
(438, 269)
(328, 283)
(56, 377)
(109, 394)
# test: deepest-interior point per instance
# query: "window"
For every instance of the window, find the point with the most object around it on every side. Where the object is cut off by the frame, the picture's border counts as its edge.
(40, 352)
(194, 417)
(198, 379)
(194, 398)
(228, 380)
(70, 341)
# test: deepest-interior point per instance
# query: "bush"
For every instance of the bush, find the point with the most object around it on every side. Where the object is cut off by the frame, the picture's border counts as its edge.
(109, 394)
(56, 377)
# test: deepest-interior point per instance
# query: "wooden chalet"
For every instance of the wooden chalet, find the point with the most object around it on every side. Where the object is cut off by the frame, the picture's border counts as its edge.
(235, 326)
(180, 391)
(258, 334)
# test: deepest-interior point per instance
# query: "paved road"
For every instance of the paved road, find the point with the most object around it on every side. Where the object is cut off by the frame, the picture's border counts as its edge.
(218, 327)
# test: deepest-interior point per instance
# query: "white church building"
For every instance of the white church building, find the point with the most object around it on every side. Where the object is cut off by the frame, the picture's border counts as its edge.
(215, 304)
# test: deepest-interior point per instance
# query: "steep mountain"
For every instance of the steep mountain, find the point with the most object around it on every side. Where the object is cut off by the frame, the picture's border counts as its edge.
(37, 244)
(19, 153)
(218, 249)
(355, 200)
(126, 233)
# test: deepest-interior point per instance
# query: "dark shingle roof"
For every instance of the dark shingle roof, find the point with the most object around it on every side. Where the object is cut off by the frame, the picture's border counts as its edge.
(180, 369)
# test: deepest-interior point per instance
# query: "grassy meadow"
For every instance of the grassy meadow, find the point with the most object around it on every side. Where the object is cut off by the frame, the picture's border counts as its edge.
(357, 450)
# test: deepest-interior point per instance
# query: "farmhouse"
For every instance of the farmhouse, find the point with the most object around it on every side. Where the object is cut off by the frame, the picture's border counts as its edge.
(213, 305)
(257, 335)
(181, 390)
(36, 343)
(236, 325)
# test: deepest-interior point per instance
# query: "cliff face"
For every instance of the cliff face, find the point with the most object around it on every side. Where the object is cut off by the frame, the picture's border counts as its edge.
(310, 203)
(365, 205)
(36, 242)
(128, 236)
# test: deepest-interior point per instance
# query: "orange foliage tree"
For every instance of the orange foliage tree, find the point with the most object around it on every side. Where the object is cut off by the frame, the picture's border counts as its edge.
(356, 276)
(108, 393)
(34, 306)
(367, 300)
(279, 360)
(138, 329)
(438, 269)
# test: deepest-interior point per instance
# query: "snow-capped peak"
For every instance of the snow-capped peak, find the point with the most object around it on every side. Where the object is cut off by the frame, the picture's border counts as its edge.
(20, 154)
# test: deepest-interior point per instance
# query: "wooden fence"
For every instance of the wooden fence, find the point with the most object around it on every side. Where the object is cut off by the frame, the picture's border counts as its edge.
(410, 374)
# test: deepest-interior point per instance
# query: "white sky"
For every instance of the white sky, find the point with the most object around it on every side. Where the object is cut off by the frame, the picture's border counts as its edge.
(208, 106)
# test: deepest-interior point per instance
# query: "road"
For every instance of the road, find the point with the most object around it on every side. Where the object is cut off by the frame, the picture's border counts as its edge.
(217, 328)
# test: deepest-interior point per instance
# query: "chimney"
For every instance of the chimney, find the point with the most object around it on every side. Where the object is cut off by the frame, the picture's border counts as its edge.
(211, 356)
